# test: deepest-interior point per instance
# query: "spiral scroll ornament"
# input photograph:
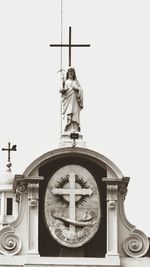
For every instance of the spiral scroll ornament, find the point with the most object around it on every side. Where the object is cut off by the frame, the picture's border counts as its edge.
(136, 245)
(10, 244)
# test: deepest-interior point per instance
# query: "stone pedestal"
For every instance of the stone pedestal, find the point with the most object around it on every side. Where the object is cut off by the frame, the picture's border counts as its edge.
(66, 141)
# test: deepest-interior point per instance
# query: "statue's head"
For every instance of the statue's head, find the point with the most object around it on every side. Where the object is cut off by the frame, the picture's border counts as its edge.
(71, 74)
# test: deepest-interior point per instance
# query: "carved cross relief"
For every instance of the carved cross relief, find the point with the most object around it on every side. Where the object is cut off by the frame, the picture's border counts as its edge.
(72, 192)
(72, 208)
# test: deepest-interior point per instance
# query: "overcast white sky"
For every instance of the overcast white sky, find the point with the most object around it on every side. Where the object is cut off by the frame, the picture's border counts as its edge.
(114, 74)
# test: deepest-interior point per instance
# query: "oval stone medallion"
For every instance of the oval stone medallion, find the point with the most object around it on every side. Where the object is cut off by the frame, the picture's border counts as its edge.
(72, 206)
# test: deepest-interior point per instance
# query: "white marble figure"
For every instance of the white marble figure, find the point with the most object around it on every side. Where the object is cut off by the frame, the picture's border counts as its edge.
(72, 102)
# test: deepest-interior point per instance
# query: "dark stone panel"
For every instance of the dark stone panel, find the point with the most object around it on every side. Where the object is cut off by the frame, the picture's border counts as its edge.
(96, 247)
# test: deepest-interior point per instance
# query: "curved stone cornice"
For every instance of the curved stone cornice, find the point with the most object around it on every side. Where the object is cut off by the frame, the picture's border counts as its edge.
(75, 151)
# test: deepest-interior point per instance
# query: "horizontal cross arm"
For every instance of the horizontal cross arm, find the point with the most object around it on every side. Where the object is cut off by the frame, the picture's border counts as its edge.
(83, 192)
(68, 45)
(65, 191)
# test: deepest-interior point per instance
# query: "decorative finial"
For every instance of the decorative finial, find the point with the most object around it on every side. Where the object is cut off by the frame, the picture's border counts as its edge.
(14, 148)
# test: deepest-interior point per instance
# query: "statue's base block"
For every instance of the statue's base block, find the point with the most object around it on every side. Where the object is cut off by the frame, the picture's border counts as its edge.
(67, 141)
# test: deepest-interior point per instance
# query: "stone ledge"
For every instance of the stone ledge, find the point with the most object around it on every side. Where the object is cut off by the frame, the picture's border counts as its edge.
(32, 261)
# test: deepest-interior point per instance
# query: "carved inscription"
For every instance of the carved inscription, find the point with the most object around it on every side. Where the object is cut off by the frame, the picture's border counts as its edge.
(72, 206)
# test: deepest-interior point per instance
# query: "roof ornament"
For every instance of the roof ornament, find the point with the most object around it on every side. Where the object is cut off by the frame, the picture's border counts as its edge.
(9, 149)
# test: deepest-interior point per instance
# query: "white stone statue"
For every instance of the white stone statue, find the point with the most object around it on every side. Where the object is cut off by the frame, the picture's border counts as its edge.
(72, 102)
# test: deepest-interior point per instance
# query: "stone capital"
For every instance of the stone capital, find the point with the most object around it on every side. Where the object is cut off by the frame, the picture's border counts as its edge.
(116, 185)
(21, 184)
(33, 196)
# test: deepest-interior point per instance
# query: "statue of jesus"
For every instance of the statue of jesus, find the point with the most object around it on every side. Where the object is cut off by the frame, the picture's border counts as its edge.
(72, 102)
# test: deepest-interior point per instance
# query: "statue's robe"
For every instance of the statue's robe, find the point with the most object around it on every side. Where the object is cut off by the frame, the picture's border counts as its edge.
(72, 103)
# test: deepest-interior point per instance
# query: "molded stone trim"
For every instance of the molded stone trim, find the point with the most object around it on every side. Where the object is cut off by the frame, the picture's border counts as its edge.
(74, 151)
(135, 243)
(10, 242)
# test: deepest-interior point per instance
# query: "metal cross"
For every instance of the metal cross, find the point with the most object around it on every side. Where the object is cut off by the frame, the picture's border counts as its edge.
(72, 192)
(9, 149)
(70, 45)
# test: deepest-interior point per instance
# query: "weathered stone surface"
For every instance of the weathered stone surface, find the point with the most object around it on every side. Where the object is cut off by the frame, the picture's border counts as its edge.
(72, 206)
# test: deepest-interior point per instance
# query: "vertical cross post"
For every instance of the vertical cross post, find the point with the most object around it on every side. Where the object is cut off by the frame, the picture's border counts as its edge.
(69, 45)
(72, 192)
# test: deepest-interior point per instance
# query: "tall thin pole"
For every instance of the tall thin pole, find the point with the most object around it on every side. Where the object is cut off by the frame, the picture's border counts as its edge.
(61, 37)
(61, 62)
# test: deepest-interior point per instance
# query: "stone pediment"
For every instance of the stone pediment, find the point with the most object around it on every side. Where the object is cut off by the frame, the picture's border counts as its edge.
(71, 207)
